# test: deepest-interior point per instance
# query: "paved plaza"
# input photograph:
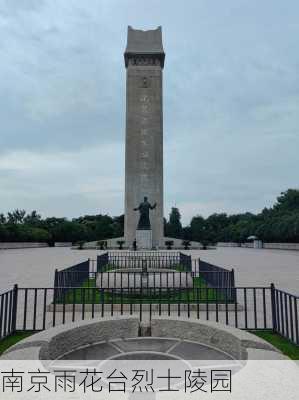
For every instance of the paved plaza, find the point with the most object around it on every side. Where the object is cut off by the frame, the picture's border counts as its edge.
(257, 267)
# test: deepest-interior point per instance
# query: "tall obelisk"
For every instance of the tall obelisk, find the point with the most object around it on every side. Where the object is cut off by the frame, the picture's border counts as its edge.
(144, 60)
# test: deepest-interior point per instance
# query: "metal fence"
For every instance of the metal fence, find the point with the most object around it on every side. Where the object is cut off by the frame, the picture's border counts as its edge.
(101, 263)
(214, 275)
(136, 281)
(8, 312)
(73, 276)
(186, 262)
(112, 271)
(253, 308)
(147, 253)
(133, 272)
(285, 307)
(143, 260)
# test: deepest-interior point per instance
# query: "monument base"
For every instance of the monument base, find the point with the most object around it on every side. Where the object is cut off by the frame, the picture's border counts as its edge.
(144, 239)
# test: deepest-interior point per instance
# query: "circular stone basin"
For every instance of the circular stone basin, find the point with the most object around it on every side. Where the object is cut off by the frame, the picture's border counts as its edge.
(135, 279)
(141, 352)
(147, 348)
(110, 338)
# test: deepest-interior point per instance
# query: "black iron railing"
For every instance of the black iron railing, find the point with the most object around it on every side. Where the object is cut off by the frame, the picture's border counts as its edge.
(140, 260)
(8, 306)
(214, 275)
(254, 308)
(147, 253)
(102, 262)
(285, 306)
(73, 276)
(132, 271)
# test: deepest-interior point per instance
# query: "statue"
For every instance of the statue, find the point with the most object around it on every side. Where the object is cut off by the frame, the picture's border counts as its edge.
(143, 208)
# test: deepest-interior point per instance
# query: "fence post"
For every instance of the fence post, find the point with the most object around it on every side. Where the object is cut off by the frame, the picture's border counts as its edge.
(232, 284)
(190, 264)
(56, 278)
(14, 309)
(273, 307)
(55, 285)
(233, 278)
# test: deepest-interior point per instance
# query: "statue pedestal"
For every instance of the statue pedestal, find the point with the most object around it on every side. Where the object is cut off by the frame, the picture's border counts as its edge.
(144, 239)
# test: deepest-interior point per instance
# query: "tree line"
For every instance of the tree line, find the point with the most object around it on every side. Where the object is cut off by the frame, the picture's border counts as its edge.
(279, 223)
(18, 226)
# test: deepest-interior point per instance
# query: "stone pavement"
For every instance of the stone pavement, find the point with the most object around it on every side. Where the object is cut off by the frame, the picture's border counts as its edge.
(257, 267)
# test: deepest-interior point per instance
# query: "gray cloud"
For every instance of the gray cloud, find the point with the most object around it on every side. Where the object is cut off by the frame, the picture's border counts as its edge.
(231, 92)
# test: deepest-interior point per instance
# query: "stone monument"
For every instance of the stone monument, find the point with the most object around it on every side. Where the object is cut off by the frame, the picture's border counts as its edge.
(144, 60)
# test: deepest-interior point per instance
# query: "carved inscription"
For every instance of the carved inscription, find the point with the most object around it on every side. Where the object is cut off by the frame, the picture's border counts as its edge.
(144, 155)
(144, 61)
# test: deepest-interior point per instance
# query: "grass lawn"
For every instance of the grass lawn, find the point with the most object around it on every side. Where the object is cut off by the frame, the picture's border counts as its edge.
(199, 293)
(13, 339)
(286, 347)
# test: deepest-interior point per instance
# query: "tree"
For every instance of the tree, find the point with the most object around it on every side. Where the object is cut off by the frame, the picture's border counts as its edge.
(33, 219)
(38, 235)
(173, 226)
(187, 233)
(68, 231)
(3, 233)
(214, 225)
(16, 216)
(197, 226)
(118, 226)
(287, 201)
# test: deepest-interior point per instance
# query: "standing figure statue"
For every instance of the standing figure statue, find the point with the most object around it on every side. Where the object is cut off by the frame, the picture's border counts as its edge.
(143, 208)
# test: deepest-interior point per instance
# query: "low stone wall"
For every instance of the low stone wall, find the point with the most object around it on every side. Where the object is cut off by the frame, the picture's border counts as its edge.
(235, 342)
(281, 246)
(21, 245)
(228, 244)
(274, 246)
(55, 342)
(232, 244)
(30, 245)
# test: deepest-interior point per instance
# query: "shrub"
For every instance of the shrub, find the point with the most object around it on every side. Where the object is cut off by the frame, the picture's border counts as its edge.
(120, 244)
(169, 244)
(186, 244)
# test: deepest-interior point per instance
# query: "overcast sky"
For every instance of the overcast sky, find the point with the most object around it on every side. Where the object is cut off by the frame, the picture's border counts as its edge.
(231, 103)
